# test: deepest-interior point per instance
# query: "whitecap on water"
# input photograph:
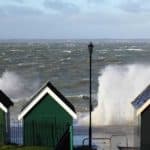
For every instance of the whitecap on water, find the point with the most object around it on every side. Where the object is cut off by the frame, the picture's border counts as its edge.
(16, 50)
(102, 50)
(135, 49)
(67, 51)
(63, 59)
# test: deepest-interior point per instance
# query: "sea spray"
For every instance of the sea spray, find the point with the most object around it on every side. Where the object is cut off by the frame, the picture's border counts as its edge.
(17, 87)
(118, 86)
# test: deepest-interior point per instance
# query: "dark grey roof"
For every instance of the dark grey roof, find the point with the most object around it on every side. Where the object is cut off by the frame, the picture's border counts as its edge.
(4, 99)
(61, 96)
(51, 86)
(142, 98)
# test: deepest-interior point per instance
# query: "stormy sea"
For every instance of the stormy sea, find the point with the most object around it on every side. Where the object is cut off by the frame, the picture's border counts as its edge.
(120, 71)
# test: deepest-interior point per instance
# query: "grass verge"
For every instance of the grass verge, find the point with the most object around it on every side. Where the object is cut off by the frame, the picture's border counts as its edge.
(11, 147)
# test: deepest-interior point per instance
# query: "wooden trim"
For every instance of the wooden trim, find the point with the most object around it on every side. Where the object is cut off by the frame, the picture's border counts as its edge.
(3, 108)
(144, 106)
(45, 91)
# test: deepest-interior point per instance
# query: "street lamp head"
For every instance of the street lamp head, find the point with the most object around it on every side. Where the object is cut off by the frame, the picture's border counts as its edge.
(90, 47)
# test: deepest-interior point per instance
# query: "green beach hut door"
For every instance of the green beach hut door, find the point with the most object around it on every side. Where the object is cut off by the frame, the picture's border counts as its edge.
(40, 132)
(46, 131)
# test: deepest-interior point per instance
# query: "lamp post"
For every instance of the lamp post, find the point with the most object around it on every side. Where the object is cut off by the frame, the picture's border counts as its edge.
(90, 47)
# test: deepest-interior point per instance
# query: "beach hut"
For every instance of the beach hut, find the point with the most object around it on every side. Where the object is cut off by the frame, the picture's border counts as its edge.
(5, 104)
(48, 118)
(142, 106)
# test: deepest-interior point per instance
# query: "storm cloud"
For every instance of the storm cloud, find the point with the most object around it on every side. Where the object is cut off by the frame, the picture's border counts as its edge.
(74, 19)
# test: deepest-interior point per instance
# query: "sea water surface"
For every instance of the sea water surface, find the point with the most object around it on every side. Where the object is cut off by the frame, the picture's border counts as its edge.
(120, 71)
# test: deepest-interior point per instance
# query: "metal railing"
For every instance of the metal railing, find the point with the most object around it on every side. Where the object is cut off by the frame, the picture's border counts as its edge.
(109, 139)
(100, 139)
(119, 135)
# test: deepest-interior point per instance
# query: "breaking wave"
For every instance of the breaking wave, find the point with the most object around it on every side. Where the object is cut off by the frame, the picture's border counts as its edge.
(118, 87)
(16, 87)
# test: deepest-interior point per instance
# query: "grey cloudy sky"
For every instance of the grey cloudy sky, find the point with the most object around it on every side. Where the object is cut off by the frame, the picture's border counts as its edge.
(57, 19)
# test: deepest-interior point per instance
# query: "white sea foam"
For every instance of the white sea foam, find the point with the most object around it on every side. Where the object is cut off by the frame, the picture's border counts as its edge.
(101, 57)
(67, 51)
(27, 64)
(118, 86)
(64, 59)
(16, 50)
(103, 51)
(134, 49)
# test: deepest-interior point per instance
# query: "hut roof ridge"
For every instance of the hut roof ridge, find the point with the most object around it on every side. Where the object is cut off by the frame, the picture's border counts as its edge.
(142, 98)
(5, 100)
(52, 89)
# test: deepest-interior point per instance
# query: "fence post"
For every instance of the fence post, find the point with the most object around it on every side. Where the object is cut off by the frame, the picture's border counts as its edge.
(7, 127)
(71, 137)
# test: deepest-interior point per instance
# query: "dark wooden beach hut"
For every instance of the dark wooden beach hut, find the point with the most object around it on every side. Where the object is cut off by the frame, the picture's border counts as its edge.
(5, 104)
(142, 106)
(48, 119)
